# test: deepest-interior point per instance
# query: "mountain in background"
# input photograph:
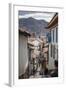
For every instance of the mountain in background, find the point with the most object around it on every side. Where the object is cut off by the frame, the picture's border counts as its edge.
(34, 25)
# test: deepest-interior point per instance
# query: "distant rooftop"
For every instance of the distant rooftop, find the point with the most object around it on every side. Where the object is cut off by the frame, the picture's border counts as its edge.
(24, 31)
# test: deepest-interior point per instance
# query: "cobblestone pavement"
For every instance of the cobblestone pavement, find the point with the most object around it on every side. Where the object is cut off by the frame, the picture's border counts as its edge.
(37, 74)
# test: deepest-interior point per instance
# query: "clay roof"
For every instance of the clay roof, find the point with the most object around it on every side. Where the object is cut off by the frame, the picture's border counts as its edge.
(30, 43)
(53, 21)
(24, 31)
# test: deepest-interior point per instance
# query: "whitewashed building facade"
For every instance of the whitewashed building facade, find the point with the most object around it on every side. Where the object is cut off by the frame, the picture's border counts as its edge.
(53, 44)
(23, 51)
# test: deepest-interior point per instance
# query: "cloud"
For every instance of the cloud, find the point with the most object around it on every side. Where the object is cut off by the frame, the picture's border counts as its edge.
(38, 15)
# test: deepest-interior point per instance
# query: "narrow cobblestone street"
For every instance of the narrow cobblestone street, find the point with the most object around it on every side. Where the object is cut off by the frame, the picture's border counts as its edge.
(37, 74)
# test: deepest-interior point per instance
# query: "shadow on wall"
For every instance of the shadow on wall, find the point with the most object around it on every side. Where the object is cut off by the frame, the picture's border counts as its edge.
(25, 75)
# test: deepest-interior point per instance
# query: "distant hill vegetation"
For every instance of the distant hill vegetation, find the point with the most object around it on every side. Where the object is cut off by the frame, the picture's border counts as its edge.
(34, 25)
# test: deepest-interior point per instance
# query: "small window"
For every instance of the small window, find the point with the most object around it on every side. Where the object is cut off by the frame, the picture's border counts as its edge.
(54, 51)
(53, 35)
(51, 50)
(56, 34)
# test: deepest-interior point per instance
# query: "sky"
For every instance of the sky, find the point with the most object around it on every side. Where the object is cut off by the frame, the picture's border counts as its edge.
(47, 16)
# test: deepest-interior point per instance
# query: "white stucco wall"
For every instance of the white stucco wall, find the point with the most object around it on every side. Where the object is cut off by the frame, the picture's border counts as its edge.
(51, 59)
(23, 54)
(53, 29)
